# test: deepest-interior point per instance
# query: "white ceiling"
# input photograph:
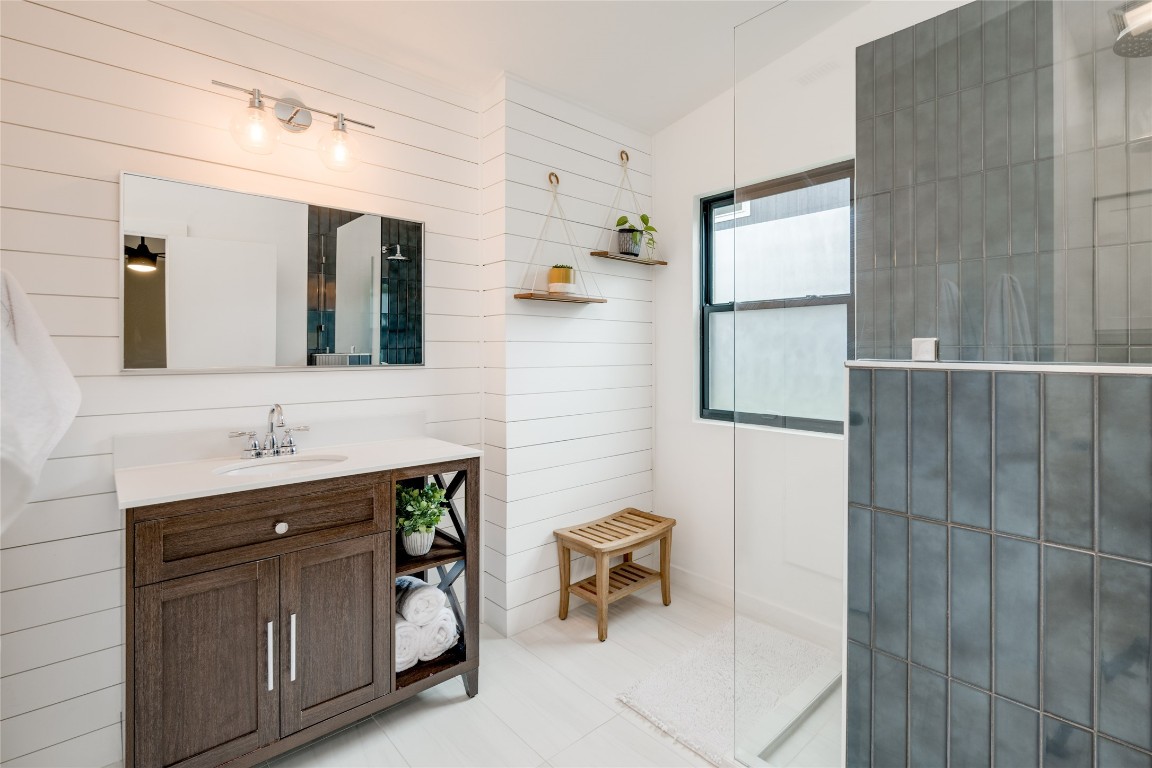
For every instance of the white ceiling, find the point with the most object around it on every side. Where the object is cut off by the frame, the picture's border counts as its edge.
(644, 63)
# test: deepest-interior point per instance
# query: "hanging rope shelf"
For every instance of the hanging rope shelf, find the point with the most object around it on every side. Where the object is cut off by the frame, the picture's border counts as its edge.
(625, 182)
(562, 282)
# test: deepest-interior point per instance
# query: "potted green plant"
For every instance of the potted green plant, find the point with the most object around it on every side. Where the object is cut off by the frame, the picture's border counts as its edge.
(561, 279)
(418, 512)
(631, 237)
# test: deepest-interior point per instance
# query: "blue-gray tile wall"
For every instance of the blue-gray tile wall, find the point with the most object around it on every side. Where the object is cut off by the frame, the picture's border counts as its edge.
(1036, 632)
(1041, 131)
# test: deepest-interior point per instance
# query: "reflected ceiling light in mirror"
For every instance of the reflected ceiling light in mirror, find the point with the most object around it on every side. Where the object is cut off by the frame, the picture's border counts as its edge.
(339, 150)
(254, 130)
(140, 258)
(396, 256)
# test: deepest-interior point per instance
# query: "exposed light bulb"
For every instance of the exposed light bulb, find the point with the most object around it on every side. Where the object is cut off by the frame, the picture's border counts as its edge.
(339, 149)
(253, 129)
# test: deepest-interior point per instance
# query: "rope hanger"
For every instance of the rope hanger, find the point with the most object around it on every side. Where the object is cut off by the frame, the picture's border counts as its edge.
(535, 271)
(625, 181)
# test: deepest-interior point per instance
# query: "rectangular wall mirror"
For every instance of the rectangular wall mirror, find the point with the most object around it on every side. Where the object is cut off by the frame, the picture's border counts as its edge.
(216, 279)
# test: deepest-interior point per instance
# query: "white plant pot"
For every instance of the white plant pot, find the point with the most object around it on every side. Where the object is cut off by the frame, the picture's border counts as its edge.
(419, 543)
(561, 287)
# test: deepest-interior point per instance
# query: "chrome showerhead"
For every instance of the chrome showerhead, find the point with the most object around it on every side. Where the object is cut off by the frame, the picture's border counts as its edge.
(1133, 25)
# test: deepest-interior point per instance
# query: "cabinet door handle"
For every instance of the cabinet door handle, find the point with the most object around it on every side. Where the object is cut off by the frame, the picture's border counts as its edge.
(271, 666)
(292, 646)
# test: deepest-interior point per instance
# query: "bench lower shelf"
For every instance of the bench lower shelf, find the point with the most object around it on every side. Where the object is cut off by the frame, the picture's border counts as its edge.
(623, 580)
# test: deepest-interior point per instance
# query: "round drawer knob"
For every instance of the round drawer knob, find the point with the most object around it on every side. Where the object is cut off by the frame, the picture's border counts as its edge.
(281, 528)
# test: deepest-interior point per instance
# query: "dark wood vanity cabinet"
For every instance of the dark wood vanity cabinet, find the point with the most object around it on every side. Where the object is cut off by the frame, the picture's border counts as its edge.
(261, 620)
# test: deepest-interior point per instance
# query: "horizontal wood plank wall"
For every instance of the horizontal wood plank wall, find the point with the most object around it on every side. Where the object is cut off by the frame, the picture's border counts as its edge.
(90, 89)
(568, 387)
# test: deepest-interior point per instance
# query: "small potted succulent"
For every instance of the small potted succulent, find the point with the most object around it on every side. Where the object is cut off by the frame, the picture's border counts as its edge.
(418, 512)
(561, 279)
(631, 236)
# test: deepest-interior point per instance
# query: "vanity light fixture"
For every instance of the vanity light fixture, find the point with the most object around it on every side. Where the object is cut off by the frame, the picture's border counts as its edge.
(254, 130)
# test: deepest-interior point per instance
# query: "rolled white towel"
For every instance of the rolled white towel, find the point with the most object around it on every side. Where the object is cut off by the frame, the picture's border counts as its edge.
(438, 635)
(417, 601)
(407, 645)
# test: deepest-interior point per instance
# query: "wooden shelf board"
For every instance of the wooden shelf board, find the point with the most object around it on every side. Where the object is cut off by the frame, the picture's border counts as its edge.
(570, 298)
(423, 669)
(626, 257)
(446, 548)
(623, 580)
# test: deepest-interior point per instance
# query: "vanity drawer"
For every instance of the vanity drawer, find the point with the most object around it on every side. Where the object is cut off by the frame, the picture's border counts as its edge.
(205, 539)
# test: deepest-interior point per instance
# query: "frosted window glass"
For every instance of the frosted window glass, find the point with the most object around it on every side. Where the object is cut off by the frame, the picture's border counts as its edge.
(789, 362)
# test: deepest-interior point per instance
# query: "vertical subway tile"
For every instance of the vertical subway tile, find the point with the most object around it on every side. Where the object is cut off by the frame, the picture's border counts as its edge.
(971, 607)
(1017, 735)
(925, 64)
(996, 212)
(865, 77)
(860, 436)
(903, 55)
(1079, 104)
(865, 319)
(1140, 291)
(889, 720)
(1068, 428)
(995, 39)
(882, 291)
(1045, 20)
(971, 418)
(1068, 653)
(1022, 117)
(1046, 113)
(891, 443)
(858, 693)
(903, 311)
(925, 129)
(882, 229)
(863, 225)
(1125, 656)
(971, 720)
(947, 136)
(1066, 746)
(1079, 282)
(928, 595)
(1023, 268)
(924, 323)
(860, 575)
(891, 584)
(1022, 193)
(904, 162)
(972, 309)
(948, 220)
(969, 25)
(1046, 205)
(882, 68)
(865, 138)
(902, 253)
(972, 130)
(927, 718)
(1080, 203)
(1017, 644)
(1017, 489)
(929, 475)
(998, 316)
(996, 124)
(925, 224)
(1109, 754)
(947, 73)
(1139, 178)
(1112, 295)
(1125, 474)
(1139, 110)
(1021, 36)
(1112, 201)
(882, 160)
(948, 309)
(1111, 107)
(972, 216)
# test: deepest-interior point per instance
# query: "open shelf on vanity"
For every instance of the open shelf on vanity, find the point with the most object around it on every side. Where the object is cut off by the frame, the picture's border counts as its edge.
(446, 548)
(450, 658)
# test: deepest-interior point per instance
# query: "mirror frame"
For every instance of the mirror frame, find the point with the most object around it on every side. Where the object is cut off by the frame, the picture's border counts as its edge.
(259, 368)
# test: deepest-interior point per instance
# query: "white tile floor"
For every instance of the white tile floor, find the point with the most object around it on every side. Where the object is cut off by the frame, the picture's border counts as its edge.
(547, 698)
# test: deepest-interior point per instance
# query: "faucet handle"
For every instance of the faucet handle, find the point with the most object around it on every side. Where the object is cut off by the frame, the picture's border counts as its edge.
(253, 449)
(288, 445)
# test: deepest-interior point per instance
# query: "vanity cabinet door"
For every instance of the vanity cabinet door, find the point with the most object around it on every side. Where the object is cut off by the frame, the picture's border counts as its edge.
(203, 666)
(335, 641)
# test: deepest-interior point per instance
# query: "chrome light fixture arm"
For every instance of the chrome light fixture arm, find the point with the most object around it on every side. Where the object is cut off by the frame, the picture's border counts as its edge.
(296, 115)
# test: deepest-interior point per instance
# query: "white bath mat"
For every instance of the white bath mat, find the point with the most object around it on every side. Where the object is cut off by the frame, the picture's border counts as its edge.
(691, 698)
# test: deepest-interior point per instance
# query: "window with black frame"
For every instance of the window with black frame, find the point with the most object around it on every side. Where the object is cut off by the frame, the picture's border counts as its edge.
(776, 320)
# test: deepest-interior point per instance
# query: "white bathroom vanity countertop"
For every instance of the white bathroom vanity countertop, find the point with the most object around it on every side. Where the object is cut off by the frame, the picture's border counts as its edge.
(160, 483)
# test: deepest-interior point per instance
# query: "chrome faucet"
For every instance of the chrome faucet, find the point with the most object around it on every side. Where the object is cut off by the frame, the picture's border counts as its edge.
(275, 419)
(271, 446)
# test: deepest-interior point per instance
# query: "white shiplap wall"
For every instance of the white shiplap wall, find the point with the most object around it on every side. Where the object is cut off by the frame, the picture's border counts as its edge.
(568, 387)
(90, 89)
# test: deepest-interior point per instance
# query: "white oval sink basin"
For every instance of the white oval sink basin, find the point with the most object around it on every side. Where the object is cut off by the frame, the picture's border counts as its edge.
(278, 465)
